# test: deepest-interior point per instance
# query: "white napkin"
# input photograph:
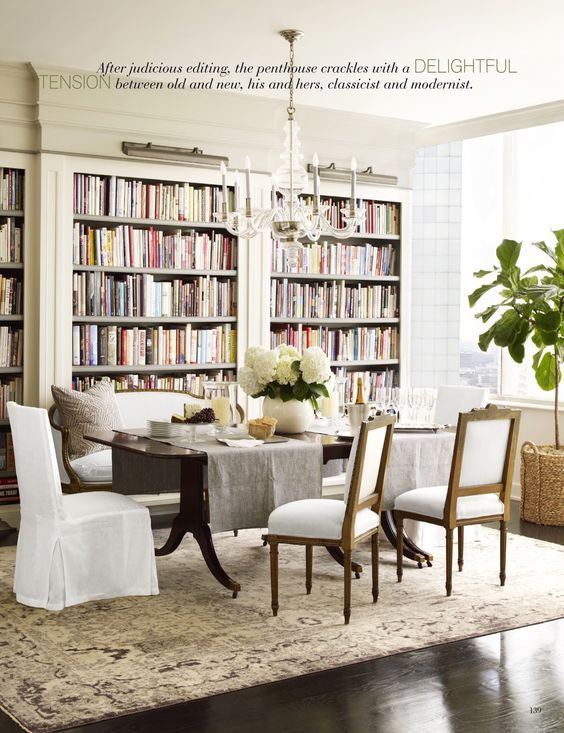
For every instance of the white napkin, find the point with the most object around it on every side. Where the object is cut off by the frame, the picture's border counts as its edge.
(241, 443)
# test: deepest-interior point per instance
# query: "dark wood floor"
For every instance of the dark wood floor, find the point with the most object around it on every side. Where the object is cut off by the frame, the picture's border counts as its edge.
(508, 682)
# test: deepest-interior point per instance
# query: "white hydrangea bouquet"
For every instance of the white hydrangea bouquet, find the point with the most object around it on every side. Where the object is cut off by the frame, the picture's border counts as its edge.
(285, 373)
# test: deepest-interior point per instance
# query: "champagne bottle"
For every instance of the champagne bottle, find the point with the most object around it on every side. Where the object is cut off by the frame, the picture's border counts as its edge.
(360, 392)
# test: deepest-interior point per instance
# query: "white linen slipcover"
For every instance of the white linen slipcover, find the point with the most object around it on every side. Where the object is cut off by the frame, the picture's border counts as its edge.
(430, 501)
(74, 548)
(321, 518)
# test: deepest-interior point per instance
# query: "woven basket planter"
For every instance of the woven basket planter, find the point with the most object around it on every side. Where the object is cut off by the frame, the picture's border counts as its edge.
(542, 484)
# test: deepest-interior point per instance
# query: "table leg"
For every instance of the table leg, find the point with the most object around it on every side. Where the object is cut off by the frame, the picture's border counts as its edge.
(193, 517)
(338, 555)
(410, 549)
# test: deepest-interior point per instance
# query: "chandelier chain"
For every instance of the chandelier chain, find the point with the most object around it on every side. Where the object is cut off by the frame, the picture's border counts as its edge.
(291, 108)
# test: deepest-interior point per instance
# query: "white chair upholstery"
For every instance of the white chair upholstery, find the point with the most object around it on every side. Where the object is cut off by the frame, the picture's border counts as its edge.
(337, 524)
(95, 468)
(454, 399)
(321, 518)
(75, 548)
(479, 487)
(430, 501)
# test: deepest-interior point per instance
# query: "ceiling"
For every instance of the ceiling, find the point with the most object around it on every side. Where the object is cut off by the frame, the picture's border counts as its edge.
(82, 35)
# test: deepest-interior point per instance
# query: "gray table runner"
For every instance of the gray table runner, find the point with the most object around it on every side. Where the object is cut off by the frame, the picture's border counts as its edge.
(246, 484)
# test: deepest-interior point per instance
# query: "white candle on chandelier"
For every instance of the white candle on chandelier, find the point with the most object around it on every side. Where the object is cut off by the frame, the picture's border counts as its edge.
(224, 181)
(353, 179)
(248, 175)
(315, 175)
(237, 191)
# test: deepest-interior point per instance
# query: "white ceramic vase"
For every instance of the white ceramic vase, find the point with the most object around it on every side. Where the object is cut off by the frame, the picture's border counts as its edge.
(292, 416)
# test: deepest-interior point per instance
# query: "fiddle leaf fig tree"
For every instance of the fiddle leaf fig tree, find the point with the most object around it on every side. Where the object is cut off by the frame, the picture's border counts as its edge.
(529, 305)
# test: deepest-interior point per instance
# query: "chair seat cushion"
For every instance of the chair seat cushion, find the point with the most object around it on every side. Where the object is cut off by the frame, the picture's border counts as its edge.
(95, 468)
(430, 501)
(91, 504)
(319, 518)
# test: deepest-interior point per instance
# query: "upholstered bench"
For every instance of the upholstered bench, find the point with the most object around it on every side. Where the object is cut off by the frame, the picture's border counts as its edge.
(94, 471)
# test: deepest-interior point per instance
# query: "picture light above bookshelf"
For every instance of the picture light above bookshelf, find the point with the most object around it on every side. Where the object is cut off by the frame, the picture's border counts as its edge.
(195, 155)
(331, 172)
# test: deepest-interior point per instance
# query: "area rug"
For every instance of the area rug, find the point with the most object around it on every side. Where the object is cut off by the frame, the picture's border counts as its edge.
(111, 658)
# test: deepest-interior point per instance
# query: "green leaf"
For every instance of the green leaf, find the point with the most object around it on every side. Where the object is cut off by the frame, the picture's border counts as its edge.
(474, 297)
(545, 372)
(508, 253)
(548, 321)
(300, 390)
(485, 339)
(505, 329)
(548, 337)
(517, 352)
(546, 249)
(482, 273)
(488, 313)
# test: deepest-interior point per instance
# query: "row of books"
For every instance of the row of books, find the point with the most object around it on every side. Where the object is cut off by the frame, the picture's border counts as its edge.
(94, 345)
(99, 294)
(11, 238)
(191, 382)
(379, 217)
(11, 296)
(114, 196)
(371, 380)
(9, 493)
(11, 346)
(125, 246)
(356, 344)
(7, 461)
(332, 299)
(336, 258)
(11, 390)
(11, 189)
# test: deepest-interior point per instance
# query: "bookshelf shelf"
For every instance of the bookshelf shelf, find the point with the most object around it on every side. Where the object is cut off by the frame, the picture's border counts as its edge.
(11, 266)
(11, 318)
(11, 370)
(177, 272)
(12, 212)
(315, 276)
(153, 223)
(335, 321)
(360, 275)
(154, 320)
(167, 255)
(151, 368)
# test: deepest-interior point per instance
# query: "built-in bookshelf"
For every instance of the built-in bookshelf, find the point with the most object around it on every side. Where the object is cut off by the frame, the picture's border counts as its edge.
(344, 296)
(12, 205)
(155, 284)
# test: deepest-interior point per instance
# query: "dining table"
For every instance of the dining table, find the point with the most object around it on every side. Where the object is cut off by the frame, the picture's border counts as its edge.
(141, 464)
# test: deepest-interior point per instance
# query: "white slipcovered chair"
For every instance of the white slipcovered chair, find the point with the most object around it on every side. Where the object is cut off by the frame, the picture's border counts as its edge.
(73, 548)
(335, 524)
(454, 399)
(479, 488)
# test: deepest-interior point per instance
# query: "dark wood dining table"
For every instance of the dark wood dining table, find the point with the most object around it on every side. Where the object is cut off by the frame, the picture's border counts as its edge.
(134, 458)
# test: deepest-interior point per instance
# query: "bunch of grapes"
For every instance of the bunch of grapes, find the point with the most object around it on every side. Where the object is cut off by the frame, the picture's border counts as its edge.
(207, 415)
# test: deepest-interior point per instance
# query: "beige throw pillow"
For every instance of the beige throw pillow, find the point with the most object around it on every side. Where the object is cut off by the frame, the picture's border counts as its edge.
(84, 412)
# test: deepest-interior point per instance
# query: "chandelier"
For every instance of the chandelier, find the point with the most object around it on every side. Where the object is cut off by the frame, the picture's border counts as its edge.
(289, 218)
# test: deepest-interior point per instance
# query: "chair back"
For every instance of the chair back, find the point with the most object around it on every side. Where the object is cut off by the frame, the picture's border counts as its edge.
(484, 456)
(454, 399)
(36, 464)
(366, 470)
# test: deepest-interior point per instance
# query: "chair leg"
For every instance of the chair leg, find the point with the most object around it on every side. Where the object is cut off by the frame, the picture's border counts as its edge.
(235, 533)
(399, 545)
(309, 564)
(274, 576)
(460, 548)
(502, 550)
(375, 564)
(348, 571)
(449, 538)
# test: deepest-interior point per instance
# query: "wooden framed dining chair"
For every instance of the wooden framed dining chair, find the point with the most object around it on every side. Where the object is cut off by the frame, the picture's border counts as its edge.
(479, 488)
(335, 523)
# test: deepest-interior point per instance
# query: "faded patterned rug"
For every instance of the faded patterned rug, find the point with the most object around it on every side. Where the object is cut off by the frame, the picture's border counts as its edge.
(111, 658)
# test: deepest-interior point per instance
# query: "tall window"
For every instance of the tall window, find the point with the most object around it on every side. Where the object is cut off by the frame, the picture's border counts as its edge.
(512, 188)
